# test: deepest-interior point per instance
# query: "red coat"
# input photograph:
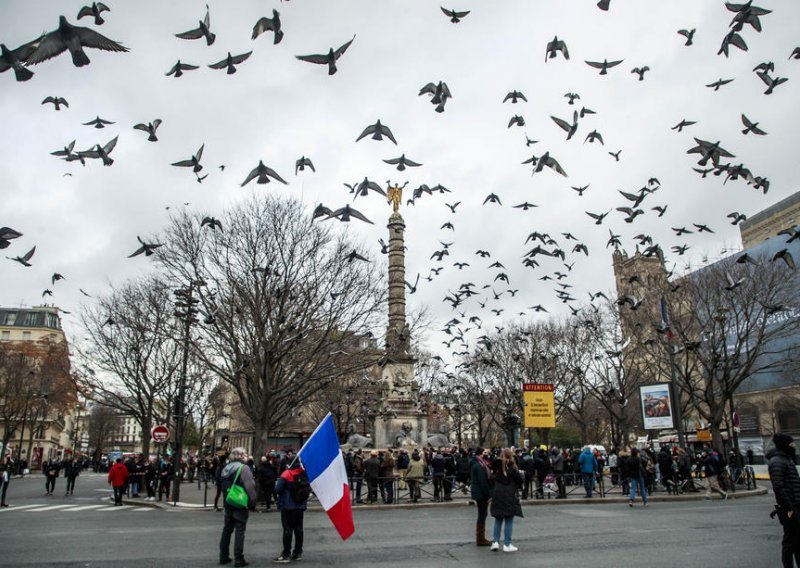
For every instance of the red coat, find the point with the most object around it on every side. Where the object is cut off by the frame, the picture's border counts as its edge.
(118, 475)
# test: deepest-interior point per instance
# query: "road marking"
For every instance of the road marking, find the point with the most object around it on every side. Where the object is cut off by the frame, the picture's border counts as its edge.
(19, 507)
(144, 509)
(85, 508)
(115, 508)
(48, 508)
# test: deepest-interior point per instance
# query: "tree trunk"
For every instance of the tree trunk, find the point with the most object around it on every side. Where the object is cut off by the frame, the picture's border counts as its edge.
(261, 441)
(147, 425)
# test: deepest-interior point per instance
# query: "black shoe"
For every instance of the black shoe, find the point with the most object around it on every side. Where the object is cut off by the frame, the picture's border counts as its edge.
(226, 560)
(241, 562)
(282, 559)
(296, 556)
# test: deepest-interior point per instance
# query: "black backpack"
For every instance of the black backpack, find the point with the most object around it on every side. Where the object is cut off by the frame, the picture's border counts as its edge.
(300, 489)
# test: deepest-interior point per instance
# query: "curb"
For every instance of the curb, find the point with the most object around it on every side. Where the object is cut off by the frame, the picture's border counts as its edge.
(742, 494)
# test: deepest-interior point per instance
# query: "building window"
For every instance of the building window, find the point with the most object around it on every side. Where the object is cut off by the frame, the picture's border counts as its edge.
(11, 318)
(30, 319)
(26, 336)
(788, 416)
(6, 335)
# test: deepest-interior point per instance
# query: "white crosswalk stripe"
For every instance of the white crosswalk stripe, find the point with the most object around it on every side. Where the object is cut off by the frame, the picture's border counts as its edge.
(71, 508)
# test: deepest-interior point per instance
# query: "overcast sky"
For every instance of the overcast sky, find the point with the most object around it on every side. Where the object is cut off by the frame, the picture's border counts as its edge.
(277, 109)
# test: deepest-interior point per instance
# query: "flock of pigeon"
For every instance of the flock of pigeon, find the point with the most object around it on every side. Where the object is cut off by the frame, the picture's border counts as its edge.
(562, 250)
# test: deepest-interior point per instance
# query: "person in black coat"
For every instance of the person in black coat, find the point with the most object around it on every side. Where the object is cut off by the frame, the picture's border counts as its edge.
(71, 472)
(266, 475)
(786, 485)
(633, 469)
(505, 505)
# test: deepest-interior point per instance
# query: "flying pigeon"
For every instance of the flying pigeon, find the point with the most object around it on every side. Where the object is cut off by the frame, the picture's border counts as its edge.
(94, 11)
(179, 68)
(58, 102)
(147, 248)
(300, 165)
(15, 59)
(98, 122)
(688, 34)
(102, 152)
(454, 16)
(193, 162)
(74, 39)
(150, 128)
(604, 65)
(272, 24)
(329, 59)
(378, 131)
(23, 260)
(751, 127)
(230, 62)
(202, 30)
(553, 47)
(402, 162)
(263, 173)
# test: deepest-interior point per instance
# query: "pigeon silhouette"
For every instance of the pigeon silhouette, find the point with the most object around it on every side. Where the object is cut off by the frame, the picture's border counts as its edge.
(74, 39)
(329, 59)
(751, 127)
(514, 97)
(272, 24)
(7, 234)
(179, 68)
(102, 152)
(402, 162)
(230, 62)
(150, 128)
(682, 124)
(263, 173)
(193, 162)
(688, 34)
(553, 47)
(378, 131)
(604, 65)
(15, 59)
(570, 129)
(454, 16)
(98, 122)
(300, 165)
(345, 213)
(640, 71)
(94, 11)
(202, 30)
(57, 102)
(440, 93)
(25, 258)
(148, 249)
(770, 82)
(717, 84)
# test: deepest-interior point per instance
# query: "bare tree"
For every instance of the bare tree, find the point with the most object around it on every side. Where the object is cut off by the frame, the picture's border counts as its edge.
(103, 423)
(131, 355)
(287, 309)
(732, 321)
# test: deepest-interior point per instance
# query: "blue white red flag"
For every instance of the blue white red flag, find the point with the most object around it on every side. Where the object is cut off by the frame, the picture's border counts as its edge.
(324, 465)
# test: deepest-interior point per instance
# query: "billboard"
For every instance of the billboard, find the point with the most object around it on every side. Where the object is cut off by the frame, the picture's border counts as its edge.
(540, 407)
(656, 407)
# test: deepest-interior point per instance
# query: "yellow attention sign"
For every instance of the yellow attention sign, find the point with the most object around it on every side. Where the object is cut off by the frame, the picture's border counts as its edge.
(540, 407)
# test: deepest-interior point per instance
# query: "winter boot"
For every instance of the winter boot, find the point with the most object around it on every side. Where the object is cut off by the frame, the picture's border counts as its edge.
(480, 538)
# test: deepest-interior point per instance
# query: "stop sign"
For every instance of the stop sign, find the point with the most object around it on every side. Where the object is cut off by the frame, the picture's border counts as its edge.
(160, 434)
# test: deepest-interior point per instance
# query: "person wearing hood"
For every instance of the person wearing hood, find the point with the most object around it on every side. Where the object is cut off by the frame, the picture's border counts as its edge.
(480, 486)
(236, 472)
(786, 486)
(588, 465)
(291, 513)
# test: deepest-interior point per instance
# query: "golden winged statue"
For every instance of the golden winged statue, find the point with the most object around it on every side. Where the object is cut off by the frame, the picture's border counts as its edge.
(394, 194)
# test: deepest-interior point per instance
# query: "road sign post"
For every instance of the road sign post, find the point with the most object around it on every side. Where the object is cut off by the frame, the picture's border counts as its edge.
(159, 434)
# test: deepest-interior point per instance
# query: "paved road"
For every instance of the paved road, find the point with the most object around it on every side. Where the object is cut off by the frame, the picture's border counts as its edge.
(86, 531)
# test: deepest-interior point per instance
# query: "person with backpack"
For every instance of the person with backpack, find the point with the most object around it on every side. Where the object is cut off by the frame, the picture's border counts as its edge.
(786, 486)
(293, 490)
(239, 489)
(266, 473)
(712, 468)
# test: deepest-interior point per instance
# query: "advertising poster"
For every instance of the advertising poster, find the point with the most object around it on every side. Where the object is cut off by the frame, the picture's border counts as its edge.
(656, 407)
(540, 407)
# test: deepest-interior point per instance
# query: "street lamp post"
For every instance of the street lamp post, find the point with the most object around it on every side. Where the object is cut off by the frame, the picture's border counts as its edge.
(186, 311)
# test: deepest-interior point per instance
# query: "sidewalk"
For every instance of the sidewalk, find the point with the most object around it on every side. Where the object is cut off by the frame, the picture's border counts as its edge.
(192, 498)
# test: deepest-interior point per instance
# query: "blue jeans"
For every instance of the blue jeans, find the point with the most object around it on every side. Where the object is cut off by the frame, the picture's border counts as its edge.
(509, 527)
(640, 483)
(588, 483)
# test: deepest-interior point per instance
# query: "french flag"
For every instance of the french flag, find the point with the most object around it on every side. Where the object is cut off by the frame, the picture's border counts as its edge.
(327, 475)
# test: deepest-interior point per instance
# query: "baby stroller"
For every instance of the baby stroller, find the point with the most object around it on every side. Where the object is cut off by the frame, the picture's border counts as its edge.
(549, 486)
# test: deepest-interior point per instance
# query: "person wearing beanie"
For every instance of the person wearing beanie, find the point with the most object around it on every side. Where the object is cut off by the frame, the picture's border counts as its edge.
(786, 486)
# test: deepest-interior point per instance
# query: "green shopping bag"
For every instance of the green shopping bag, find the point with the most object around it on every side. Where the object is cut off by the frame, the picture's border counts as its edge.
(237, 496)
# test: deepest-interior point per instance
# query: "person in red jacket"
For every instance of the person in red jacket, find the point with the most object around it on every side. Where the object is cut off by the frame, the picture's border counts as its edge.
(117, 478)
